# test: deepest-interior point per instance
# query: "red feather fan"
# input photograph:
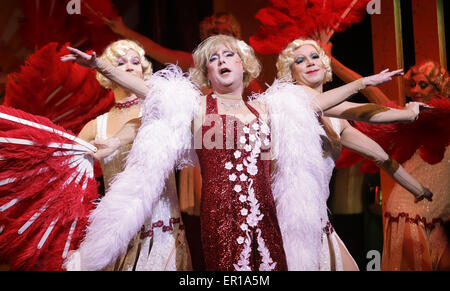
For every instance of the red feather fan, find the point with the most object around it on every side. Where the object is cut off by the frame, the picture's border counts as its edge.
(47, 189)
(48, 21)
(430, 134)
(287, 20)
(66, 93)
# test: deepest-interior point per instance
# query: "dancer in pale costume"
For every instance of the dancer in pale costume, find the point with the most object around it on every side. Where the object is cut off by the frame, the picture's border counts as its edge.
(243, 234)
(414, 233)
(161, 243)
(415, 237)
(305, 63)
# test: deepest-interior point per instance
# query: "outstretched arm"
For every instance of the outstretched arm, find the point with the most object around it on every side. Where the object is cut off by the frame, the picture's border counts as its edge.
(358, 142)
(123, 79)
(331, 98)
(373, 113)
(162, 54)
(373, 94)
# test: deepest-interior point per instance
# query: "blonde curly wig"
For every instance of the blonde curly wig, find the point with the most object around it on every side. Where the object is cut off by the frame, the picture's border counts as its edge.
(115, 51)
(436, 75)
(287, 58)
(252, 67)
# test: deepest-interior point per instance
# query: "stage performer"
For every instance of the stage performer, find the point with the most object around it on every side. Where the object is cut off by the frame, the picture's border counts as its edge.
(189, 179)
(239, 223)
(416, 234)
(305, 63)
(161, 243)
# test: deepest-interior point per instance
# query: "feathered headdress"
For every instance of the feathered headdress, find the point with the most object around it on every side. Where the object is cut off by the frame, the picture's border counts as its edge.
(286, 20)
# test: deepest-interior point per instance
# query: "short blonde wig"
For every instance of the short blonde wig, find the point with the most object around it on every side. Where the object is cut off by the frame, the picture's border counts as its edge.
(202, 54)
(287, 58)
(115, 51)
(436, 75)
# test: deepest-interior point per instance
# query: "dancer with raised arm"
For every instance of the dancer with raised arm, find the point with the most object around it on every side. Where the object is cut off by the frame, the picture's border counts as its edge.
(305, 63)
(161, 243)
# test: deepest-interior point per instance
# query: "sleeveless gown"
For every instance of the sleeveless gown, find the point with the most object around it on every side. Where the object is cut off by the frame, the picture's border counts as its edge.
(332, 245)
(161, 244)
(239, 226)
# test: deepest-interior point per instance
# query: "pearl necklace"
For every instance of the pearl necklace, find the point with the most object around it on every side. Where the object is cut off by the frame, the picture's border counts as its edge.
(228, 106)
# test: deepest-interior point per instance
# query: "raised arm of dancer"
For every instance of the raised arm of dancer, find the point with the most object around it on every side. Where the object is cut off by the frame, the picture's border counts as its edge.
(373, 113)
(356, 141)
(125, 80)
(373, 94)
(162, 54)
(331, 98)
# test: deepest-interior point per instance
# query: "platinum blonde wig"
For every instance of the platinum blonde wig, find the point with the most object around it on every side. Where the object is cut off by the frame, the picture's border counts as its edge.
(202, 54)
(287, 58)
(115, 51)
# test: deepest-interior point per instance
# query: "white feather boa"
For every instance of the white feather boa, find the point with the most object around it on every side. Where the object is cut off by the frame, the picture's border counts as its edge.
(298, 175)
(162, 141)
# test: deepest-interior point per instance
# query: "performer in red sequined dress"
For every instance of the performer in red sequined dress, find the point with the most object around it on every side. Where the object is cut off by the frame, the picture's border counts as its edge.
(238, 215)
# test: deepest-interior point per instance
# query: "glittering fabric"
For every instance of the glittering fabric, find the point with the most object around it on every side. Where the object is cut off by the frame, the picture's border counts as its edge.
(238, 216)
(415, 235)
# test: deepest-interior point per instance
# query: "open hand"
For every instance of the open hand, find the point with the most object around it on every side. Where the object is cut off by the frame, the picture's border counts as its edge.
(383, 77)
(105, 148)
(81, 58)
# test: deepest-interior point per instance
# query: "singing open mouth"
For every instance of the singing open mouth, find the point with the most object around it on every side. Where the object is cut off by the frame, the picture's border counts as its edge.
(224, 71)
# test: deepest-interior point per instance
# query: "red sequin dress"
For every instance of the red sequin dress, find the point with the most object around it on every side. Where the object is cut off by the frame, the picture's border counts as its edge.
(239, 225)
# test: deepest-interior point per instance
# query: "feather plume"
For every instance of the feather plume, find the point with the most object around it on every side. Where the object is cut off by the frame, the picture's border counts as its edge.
(66, 93)
(286, 20)
(49, 21)
(46, 191)
(162, 141)
(298, 178)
